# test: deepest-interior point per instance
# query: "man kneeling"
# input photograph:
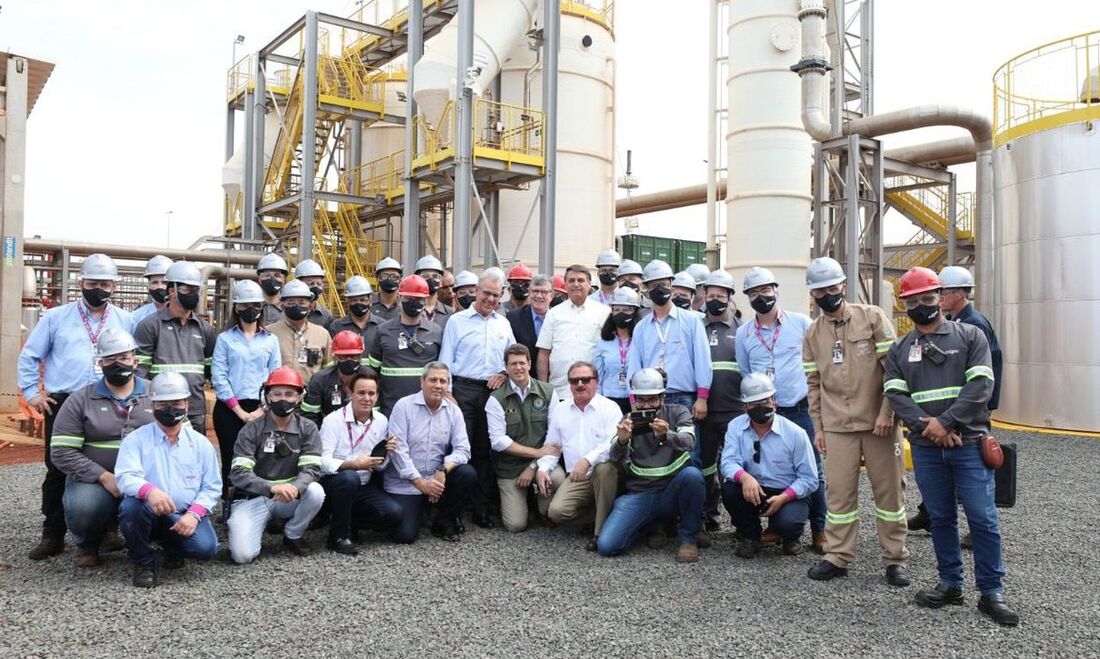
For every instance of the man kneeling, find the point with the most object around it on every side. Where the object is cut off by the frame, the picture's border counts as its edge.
(768, 470)
(170, 480)
(661, 483)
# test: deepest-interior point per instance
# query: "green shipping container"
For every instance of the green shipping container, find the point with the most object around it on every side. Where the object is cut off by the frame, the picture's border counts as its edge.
(679, 254)
(688, 252)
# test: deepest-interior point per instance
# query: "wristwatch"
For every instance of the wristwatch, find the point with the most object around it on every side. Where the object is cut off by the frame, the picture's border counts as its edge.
(533, 465)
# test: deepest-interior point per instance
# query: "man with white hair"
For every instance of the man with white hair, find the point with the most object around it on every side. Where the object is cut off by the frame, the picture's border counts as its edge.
(527, 321)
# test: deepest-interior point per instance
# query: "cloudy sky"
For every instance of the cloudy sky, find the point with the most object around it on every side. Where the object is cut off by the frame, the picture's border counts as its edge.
(131, 124)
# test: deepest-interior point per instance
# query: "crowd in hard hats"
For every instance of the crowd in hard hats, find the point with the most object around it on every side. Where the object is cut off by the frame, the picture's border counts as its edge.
(628, 401)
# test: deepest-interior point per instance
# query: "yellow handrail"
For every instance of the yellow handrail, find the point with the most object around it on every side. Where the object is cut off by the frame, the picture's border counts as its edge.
(496, 126)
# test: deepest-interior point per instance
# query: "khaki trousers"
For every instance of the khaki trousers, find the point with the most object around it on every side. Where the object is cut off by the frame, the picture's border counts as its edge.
(572, 499)
(884, 459)
(513, 500)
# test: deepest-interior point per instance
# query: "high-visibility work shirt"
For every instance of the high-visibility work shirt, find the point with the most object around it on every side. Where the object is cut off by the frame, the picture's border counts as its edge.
(240, 365)
(306, 351)
(66, 345)
(165, 345)
(186, 470)
(956, 391)
(90, 426)
(776, 350)
(381, 311)
(675, 344)
(650, 464)
(570, 333)
(725, 387)
(586, 433)
(325, 394)
(786, 459)
(343, 438)
(474, 345)
(843, 359)
(427, 440)
(399, 354)
(264, 455)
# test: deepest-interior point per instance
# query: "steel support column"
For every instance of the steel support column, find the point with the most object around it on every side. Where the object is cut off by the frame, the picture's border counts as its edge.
(248, 184)
(952, 219)
(309, 143)
(410, 224)
(258, 109)
(551, 44)
(12, 171)
(712, 138)
(464, 171)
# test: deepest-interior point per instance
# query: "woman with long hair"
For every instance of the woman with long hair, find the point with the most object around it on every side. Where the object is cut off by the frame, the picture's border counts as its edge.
(615, 338)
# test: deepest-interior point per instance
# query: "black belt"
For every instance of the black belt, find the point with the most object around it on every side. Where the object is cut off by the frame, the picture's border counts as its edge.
(800, 406)
(470, 381)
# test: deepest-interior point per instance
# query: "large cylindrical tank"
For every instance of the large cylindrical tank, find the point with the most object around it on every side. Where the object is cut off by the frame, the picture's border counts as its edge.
(585, 215)
(233, 169)
(383, 138)
(769, 154)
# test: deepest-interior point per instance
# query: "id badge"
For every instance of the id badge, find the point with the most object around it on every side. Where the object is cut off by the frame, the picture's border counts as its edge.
(337, 400)
(838, 353)
(269, 445)
(660, 359)
(622, 378)
(303, 355)
(714, 337)
(96, 367)
(771, 372)
(402, 342)
(914, 353)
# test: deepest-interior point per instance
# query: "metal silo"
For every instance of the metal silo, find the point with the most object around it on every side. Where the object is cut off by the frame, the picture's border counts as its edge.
(1047, 242)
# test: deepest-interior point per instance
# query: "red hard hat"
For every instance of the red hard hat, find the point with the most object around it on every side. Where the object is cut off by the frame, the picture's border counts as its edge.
(559, 284)
(520, 272)
(413, 286)
(284, 376)
(918, 280)
(347, 343)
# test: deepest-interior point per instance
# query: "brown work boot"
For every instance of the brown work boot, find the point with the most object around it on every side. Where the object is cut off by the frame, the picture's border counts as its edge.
(769, 537)
(703, 540)
(819, 543)
(45, 548)
(657, 540)
(112, 541)
(688, 553)
(85, 559)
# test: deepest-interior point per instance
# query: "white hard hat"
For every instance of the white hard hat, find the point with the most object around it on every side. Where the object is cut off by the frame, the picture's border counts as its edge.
(626, 296)
(157, 266)
(647, 382)
(296, 288)
(683, 280)
(169, 386)
(465, 278)
(309, 268)
(721, 279)
(608, 257)
(628, 267)
(184, 272)
(272, 261)
(699, 272)
(356, 286)
(113, 341)
(387, 264)
(657, 269)
(247, 291)
(756, 387)
(824, 272)
(757, 276)
(428, 263)
(99, 267)
(956, 276)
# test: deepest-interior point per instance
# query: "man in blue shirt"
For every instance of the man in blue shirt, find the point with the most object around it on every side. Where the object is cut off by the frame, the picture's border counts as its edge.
(155, 270)
(168, 475)
(767, 470)
(65, 341)
(771, 343)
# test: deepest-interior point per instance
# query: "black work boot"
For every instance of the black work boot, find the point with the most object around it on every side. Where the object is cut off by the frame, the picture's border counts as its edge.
(46, 548)
(995, 607)
(825, 571)
(942, 594)
(920, 521)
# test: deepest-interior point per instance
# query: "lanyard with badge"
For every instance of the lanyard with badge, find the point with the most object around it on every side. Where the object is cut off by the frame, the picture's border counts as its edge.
(94, 336)
(769, 348)
(624, 348)
(355, 442)
(662, 337)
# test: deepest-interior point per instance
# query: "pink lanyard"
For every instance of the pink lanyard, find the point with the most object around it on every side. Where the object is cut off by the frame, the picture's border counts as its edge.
(94, 336)
(623, 349)
(356, 442)
(775, 337)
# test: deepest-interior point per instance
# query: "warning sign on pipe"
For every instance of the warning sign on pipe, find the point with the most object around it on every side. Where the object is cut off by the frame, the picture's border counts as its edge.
(9, 251)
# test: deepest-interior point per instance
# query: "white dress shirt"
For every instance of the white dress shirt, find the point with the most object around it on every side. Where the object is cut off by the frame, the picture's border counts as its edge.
(586, 433)
(342, 437)
(498, 427)
(571, 333)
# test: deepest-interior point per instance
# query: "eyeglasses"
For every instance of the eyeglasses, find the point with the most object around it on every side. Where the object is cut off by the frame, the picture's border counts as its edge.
(822, 292)
(928, 299)
(763, 290)
(538, 292)
(583, 380)
(389, 276)
(756, 451)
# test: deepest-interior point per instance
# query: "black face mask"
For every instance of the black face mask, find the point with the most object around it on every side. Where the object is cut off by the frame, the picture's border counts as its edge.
(830, 303)
(762, 304)
(348, 367)
(159, 295)
(249, 314)
(388, 285)
(170, 416)
(682, 302)
(359, 309)
(660, 295)
(317, 292)
(924, 314)
(465, 301)
(96, 297)
(717, 307)
(412, 308)
(607, 278)
(623, 320)
(295, 312)
(433, 286)
(283, 408)
(520, 291)
(271, 286)
(629, 284)
(118, 374)
(556, 300)
(761, 414)
(187, 300)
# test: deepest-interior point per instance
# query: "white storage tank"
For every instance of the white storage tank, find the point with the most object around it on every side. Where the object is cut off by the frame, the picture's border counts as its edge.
(382, 138)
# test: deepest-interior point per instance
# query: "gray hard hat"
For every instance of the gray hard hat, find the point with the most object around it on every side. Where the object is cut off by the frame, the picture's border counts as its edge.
(247, 291)
(157, 266)
(429, 263)
(272, 261)
(656, 269)
(628, 267)
(721, 279)
(387, 264)
(113, 341)
(296, 288)
(756, 387)
(184, 272)
(309, 268)
(356, 286)
(757, 276)
(647, 382)
(824, 272)
(956, 276)
(99, 267)
(608, 257)
(169, 386)
(699, 272)
(465, 278)
(626, 297)
(683, 280)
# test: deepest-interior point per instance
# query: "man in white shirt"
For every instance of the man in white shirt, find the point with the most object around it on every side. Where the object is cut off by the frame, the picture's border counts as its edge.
(584, 429)
(571, 330)
(354, 446)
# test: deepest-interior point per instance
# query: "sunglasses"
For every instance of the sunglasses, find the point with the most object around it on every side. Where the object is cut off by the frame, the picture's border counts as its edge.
(756, 451)
(581, 380)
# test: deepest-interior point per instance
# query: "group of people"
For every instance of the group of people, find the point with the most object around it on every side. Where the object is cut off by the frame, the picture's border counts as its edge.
(631, 408)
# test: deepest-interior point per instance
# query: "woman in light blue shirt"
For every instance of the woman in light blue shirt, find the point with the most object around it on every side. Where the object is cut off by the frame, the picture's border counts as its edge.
(244, 354)
(614, 344)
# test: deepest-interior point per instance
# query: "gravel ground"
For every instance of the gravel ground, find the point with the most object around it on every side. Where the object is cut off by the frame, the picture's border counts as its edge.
(540, 592)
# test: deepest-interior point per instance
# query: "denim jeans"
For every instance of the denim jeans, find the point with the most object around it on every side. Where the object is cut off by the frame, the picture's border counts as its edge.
(249, 518)
(634, 512)
(800, 415)
(355, 505)
(459, 487)
(788, 523)
(687, 400)
(141, 526)
(946, 477)
(89, 511)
